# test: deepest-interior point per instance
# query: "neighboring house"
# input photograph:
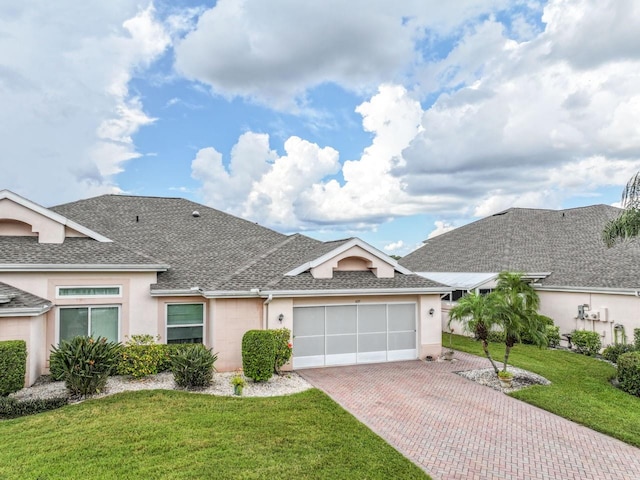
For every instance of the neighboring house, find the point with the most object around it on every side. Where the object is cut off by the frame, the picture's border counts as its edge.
(582, 284)
(119, 265)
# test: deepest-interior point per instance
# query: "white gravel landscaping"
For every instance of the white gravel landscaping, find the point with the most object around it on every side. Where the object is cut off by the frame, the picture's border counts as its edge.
(521, 378)
(285, 384)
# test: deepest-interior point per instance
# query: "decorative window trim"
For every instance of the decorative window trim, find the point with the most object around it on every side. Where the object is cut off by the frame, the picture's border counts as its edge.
(202, 324)
(60, 289)
(89, 308)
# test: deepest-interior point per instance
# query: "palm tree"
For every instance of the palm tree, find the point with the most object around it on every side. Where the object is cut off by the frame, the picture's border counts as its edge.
(516, 311)
(478, 315)
(627, 225)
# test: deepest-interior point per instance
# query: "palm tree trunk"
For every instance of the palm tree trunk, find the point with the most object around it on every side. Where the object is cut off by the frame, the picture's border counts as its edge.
(507, 351)
(485, 347)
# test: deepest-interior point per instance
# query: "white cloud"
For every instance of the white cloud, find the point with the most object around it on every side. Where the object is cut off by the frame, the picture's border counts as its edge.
(259, 184)
(273, 52)
(441, 227)
(67, 117)
(393, 246)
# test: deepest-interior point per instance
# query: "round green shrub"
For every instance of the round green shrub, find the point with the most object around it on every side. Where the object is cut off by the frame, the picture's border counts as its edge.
(586, 342)
(629, 372)
(636, 338)
(141, 356)
(612, 352)
(258, 354)
(13, 366)
(192, 366)
(553, 335)
(86, 363)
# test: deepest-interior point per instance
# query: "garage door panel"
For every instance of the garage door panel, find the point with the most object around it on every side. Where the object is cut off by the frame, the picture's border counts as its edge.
(402, 340)
(372, 342)
(342, 319)
(309, 321)
(308, 346)
(341, 344)
(372, 318)
(402, 317)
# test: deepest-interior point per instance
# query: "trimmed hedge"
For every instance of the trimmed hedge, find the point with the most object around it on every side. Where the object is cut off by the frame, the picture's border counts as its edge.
(13, 408)
(258, 354)
(629, 372)
(636, 338)
(13, 366)
(141, 356)
(586, 342)
(612, 352)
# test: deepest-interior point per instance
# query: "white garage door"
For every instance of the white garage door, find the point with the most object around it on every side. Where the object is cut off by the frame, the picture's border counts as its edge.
(349, 334)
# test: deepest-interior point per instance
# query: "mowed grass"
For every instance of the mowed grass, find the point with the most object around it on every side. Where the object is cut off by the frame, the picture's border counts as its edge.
(581, 388)
(179, 435)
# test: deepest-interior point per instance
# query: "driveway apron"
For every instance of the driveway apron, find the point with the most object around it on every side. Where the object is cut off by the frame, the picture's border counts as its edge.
(456, 429)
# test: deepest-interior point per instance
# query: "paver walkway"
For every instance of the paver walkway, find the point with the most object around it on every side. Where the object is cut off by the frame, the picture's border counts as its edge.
(456, 429)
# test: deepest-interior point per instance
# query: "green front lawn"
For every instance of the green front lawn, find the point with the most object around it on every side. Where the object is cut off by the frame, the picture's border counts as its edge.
(179, 435)
(580, 391)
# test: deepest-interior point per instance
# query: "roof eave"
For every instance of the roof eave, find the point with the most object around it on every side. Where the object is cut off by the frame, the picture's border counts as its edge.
(43, 267)
(353, 291)
(25, 311)
(573, 289)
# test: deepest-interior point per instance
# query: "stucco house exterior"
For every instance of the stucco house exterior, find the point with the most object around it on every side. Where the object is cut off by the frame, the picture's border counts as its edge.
(118, 265)
(582, 284)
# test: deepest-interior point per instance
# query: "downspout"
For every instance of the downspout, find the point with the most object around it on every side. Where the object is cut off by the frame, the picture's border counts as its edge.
(265, 320)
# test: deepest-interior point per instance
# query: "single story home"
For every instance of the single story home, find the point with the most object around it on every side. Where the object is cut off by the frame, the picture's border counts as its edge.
(119, 265)
(582, 284)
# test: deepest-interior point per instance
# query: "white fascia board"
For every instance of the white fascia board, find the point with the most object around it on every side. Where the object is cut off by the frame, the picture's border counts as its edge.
(354, 292)
(56, 217)
(356, 242)
(25, 311)
(81, 268)
(176, 293)
(568, 289)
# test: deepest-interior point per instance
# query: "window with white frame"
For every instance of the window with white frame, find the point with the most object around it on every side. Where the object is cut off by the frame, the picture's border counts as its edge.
(185, 323)
(80, 292)
(89, 321)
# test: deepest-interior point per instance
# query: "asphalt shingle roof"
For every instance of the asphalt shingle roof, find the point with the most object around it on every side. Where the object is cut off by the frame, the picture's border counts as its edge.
(74, 251)
(352, 280)
(215, 251)
(200, 249)
(19, 298)
(567, 243)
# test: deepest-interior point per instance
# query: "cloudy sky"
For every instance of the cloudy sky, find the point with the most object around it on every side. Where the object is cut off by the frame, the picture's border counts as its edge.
(390, 121)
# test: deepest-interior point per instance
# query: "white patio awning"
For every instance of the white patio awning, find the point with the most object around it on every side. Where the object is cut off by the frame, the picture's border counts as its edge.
(460, 280)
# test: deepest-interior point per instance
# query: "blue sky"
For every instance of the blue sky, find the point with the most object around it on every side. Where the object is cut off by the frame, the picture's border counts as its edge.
(390, 121)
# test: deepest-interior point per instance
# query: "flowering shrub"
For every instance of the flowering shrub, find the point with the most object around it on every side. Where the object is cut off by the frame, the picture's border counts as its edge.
(86, 363)
(142, 356)
(283, 347)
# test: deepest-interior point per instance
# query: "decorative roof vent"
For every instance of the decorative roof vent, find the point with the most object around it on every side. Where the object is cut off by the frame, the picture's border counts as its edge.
(195, 214)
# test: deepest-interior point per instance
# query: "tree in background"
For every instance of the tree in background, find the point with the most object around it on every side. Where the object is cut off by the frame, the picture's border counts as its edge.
(627, 225)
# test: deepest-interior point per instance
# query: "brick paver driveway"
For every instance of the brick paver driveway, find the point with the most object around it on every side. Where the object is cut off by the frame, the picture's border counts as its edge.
(455, 428)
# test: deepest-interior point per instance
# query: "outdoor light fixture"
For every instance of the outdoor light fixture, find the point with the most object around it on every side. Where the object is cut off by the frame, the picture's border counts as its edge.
(431, 312)
(280, 317)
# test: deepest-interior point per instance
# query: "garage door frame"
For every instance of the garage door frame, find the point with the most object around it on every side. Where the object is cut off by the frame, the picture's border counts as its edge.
(315, 340)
